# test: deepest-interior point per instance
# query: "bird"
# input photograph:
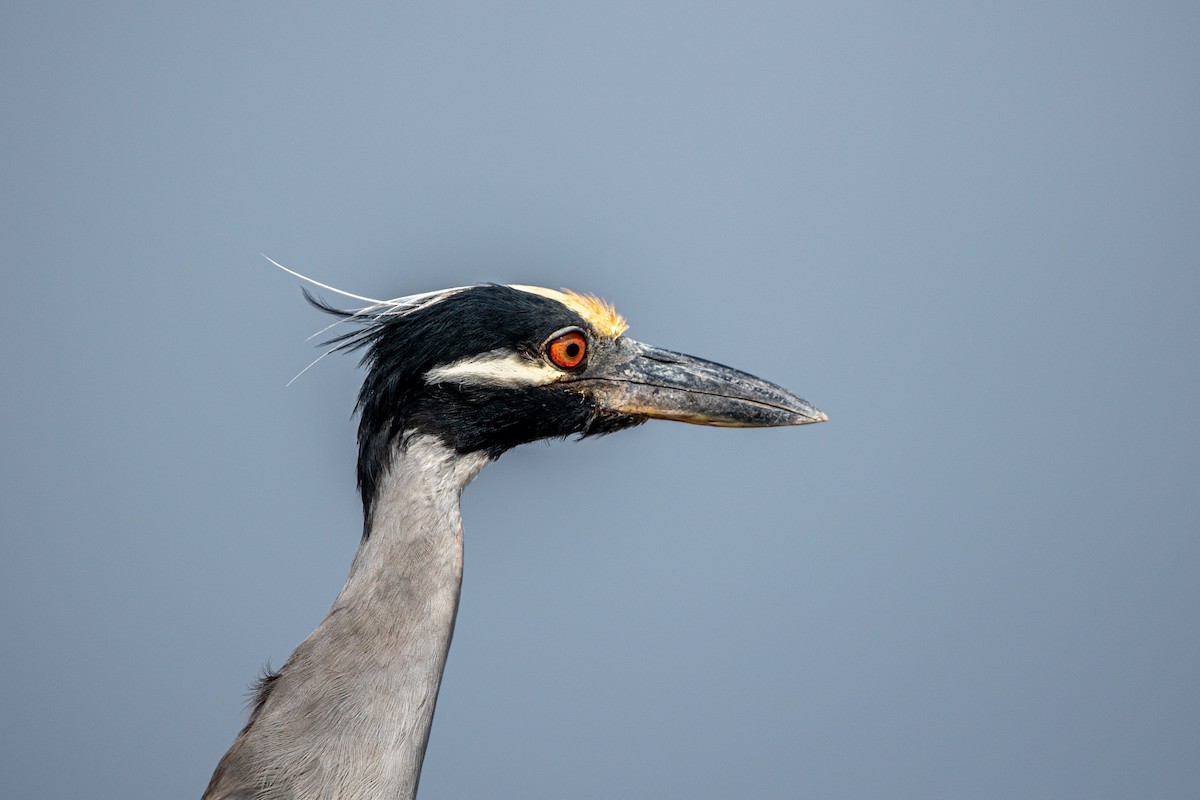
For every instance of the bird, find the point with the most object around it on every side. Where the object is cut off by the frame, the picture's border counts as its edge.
(453, 379)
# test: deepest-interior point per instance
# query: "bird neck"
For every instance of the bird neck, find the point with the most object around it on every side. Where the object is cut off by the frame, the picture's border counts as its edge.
(393, 620)
(350, 712)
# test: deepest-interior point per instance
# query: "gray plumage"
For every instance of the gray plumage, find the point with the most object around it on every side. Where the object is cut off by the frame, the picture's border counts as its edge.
(349, 715)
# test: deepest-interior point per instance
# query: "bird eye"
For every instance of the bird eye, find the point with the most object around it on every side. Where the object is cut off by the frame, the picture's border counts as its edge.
(567, 349)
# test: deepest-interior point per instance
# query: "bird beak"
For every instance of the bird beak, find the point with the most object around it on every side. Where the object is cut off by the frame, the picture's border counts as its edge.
(640, 380)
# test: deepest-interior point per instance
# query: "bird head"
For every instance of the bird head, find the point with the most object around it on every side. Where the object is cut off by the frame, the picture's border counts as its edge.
(486, 368)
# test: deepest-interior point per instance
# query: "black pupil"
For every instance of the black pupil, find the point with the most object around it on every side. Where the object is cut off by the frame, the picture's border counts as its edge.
(573, 350)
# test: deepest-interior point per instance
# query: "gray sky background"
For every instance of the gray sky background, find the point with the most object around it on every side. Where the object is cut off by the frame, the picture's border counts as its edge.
(969, 232)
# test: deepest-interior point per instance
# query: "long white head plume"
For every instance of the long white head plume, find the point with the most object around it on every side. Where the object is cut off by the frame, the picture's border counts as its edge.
(397, 306)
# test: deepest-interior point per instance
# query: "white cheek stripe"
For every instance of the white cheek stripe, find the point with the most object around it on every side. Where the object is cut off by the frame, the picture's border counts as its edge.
(497, 368)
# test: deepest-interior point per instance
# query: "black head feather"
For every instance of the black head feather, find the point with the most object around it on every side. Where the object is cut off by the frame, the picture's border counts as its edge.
(403, 344)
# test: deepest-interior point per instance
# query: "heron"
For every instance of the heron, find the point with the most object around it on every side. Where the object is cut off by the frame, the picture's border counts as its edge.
(454, 378)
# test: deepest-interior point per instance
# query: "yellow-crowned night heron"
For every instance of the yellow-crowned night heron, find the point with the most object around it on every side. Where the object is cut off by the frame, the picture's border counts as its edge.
(454, 379)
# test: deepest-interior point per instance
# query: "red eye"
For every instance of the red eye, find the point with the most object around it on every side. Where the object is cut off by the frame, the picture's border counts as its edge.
(567, 350)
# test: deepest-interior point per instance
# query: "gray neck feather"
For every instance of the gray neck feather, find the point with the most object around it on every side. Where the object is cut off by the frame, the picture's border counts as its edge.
(349, 715)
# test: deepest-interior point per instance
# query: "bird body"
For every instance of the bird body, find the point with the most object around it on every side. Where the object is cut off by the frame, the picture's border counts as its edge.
(454, 379)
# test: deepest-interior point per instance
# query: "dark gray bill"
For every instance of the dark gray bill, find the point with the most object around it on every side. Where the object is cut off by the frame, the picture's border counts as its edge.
(647, 381)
